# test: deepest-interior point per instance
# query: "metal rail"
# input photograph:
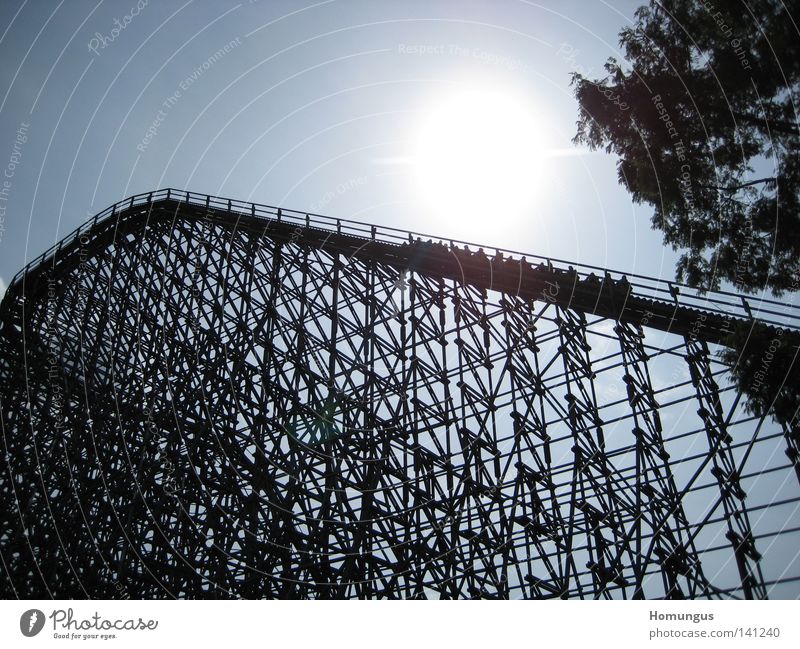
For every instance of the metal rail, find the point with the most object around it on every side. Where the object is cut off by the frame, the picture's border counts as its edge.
(723, 303)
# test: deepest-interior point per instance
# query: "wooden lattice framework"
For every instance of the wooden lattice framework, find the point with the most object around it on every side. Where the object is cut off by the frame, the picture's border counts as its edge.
(209, 398)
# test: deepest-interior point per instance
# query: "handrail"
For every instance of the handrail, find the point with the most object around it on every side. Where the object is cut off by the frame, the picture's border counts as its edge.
(714, 301)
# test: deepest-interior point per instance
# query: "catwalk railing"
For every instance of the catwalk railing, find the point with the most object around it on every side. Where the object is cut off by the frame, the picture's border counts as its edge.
(720, 302)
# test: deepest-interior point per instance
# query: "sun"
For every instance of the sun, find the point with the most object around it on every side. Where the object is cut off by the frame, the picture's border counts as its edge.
(478, 156)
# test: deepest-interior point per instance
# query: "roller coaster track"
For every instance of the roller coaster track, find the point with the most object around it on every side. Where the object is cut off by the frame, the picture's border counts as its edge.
(204, 397)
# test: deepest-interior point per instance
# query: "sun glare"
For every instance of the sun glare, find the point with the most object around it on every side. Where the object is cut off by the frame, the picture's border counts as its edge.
(477, 157)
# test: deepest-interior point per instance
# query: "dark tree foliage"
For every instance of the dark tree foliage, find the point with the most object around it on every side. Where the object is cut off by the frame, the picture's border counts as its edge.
(704, 116)
(765, 364)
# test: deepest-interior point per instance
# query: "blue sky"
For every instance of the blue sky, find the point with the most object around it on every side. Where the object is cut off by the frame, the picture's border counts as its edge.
(311, 105)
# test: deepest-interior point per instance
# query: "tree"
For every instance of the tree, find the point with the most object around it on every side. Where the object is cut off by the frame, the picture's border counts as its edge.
(704, 116)
(766, 368)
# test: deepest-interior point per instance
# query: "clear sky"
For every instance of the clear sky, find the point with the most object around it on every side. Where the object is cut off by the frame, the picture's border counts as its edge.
(317, 106)
(325, 106)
